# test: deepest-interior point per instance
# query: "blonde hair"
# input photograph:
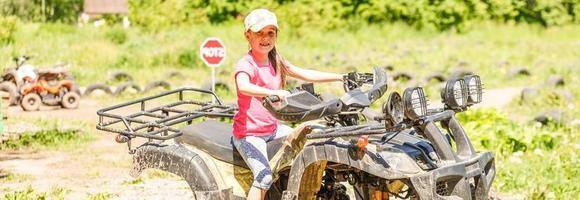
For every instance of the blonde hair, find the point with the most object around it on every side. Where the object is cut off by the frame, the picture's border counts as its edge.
(279, 65)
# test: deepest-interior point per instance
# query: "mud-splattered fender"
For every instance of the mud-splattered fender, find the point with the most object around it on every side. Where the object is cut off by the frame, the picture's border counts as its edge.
(182, 162)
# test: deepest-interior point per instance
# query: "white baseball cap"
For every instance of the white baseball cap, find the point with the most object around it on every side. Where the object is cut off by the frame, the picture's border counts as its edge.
(260, 18)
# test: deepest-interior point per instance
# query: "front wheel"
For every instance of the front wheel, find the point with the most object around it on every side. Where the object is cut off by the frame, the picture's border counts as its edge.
(70, 100)
(31, 102)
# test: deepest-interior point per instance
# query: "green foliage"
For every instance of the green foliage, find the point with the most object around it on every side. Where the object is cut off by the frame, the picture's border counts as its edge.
(523, 151)
(117, 35)
(9, 26)
(65, 11)
(156, 15)
(329, 14)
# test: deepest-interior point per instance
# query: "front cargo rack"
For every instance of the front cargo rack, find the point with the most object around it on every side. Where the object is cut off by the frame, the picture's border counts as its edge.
(157, 122)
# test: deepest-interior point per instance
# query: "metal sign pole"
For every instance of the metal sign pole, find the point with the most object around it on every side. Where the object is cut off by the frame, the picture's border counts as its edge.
(213, 83)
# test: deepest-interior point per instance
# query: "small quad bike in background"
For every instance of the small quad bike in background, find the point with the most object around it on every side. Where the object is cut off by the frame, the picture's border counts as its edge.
(405, 151)
(54, 86)
(50, 92)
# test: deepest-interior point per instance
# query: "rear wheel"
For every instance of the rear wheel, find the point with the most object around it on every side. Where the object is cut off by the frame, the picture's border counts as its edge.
(70, 100)
(31, 102)
(12, 91)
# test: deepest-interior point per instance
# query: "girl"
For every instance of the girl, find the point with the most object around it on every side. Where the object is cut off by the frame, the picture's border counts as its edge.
(263, 72)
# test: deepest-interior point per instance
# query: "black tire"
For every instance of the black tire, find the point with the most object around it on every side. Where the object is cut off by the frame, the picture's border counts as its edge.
(553, 116)
(402, 76)
(437, 77)
(388, 67)
(520, 71)
(218, 84)
(154, 84)
(97, 86)
(528, 94)
(555, 81)
(121, 88)
(12, 91)
(31, 102)
(121, 76)
(175, 74)
(70, 100)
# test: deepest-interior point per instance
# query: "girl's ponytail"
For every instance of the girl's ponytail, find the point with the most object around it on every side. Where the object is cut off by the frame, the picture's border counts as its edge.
(279, 65)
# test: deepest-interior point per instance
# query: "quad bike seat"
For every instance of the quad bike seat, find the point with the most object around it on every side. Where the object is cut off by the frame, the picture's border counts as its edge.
(215, 138)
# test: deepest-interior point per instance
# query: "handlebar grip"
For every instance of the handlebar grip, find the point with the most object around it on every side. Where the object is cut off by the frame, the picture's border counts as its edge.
(272, 98)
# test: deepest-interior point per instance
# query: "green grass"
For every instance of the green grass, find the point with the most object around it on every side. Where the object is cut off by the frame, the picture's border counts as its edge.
(94, 53)
(537, 161)
(51, 136)
(8, 176)
(100, 196)
(30, 193)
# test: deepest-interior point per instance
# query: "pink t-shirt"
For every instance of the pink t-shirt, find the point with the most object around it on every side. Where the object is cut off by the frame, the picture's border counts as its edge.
(252, 118)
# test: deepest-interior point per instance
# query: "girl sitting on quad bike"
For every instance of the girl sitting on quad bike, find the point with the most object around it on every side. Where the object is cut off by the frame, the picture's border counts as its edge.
(260, 73)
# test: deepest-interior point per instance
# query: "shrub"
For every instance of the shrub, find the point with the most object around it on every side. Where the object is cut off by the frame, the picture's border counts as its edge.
(117, 35)
(8, 31)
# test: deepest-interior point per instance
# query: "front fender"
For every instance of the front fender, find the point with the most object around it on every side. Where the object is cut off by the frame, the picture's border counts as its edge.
(182, 162)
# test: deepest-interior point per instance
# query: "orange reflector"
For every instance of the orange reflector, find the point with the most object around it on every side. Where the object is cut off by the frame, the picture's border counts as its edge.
(121, 138)
(380, 195)
(362, 142)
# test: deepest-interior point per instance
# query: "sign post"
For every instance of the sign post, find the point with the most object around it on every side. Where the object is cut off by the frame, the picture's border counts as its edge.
(213, 53)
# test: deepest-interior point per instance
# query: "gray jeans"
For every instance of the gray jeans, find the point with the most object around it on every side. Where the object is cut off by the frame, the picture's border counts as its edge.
(254, 151)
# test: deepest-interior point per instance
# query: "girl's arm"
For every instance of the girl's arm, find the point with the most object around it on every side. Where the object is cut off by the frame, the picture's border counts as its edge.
(312, 75)
(247, 88)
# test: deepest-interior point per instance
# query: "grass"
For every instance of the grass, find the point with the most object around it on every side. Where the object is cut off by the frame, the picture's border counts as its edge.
(100, 196)
(488, 50)
(50, 136)
(537, 161)
(30, 193)
(6, 176)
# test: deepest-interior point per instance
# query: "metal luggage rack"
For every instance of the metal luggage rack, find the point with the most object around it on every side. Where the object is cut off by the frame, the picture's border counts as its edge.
(162, 118)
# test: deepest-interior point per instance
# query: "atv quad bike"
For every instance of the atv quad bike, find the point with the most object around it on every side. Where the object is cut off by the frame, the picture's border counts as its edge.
(405, 151)
(50, 87)
(53, 93)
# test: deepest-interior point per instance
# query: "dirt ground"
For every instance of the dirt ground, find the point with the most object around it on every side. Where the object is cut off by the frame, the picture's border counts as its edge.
(102, 167)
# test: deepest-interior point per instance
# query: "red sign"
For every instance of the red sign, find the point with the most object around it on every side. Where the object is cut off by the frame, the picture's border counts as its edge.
(212, 52)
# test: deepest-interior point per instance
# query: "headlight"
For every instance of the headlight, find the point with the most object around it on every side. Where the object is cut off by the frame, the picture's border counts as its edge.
(474, 89)
(415, 103)
(454, 95)
(393, 110)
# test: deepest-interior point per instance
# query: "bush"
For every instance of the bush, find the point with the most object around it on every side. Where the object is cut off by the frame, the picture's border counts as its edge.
(65, 11)
(117, 35)
(432, 14)
(439, 14)
(8, 31)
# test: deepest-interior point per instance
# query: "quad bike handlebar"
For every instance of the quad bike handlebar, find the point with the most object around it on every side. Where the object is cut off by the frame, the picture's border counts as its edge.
(305, 105)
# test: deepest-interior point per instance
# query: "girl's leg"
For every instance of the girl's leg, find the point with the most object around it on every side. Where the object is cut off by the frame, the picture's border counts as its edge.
(253, 151)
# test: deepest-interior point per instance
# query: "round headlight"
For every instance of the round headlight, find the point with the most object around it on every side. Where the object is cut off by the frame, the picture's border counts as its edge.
(414, 103)
(393, 110)
(455, 94)
(474, 89)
